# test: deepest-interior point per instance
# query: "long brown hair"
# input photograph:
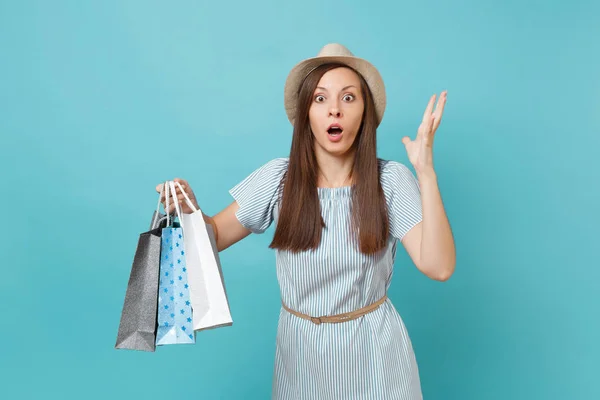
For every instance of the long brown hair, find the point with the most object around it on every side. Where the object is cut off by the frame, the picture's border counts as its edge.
(300, 223)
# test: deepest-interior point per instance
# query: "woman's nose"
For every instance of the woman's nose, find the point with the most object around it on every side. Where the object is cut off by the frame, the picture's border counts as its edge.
(335, 112)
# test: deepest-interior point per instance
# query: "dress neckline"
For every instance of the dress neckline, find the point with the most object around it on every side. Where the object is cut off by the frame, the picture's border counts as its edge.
(334, 192)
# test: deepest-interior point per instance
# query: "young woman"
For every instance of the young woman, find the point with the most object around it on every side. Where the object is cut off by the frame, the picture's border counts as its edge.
(339, 213)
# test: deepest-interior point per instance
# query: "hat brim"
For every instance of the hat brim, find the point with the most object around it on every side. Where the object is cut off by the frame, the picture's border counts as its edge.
(362, 66)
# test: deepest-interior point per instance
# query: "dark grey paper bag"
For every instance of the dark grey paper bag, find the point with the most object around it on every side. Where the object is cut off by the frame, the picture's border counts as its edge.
(137, 329)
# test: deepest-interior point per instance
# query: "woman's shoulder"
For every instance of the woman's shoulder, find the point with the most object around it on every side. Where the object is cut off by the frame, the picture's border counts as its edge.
(270, 170)
(391, 167)
(274, 168)
(262, 179)
(278, 163)
(396, 177)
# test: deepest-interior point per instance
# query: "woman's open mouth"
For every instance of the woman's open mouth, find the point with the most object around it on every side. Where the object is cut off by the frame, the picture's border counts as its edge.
(335, 132)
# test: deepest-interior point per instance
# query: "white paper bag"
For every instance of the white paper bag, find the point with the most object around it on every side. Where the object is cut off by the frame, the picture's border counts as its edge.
(207, 289)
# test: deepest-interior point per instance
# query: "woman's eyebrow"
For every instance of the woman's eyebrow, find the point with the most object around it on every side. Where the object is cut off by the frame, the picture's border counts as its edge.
(345, 88)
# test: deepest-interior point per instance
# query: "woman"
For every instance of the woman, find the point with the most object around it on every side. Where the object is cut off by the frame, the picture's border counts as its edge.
(339, 213)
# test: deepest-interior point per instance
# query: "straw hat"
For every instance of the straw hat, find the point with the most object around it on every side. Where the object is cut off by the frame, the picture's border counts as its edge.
(334, 52)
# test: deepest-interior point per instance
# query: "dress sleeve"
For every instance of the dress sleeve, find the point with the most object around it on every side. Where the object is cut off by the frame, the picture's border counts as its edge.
(257, 195)
(403, 197)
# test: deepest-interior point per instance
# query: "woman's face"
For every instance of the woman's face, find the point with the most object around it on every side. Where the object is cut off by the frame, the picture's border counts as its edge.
(336, 112)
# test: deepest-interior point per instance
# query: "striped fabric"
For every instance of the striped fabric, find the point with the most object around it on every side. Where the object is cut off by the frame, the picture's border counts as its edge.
(367, 358)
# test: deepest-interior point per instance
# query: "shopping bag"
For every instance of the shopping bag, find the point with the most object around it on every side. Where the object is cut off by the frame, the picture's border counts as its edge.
(174, 306)
(207, 287)
(137, 328)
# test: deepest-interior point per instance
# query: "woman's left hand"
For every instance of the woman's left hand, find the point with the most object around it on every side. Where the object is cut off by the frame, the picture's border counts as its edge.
(420, 150)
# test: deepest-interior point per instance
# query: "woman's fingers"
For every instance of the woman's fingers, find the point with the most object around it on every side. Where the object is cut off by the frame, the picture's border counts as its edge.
(428, 109)
(183, 184)
(171, 209)
(179, 195)
(439, 110)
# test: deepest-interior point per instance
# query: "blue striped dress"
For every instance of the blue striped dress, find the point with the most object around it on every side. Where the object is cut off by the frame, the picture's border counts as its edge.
(368, 358)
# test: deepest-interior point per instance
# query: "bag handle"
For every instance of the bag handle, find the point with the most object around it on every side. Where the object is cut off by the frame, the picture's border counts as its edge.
(176, 202)
(168, 189)
(157, 213)
(167, 204)
(187, 199)
(196, 209)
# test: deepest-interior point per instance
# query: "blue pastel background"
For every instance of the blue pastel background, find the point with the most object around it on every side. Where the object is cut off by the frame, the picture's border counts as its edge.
(100, 101)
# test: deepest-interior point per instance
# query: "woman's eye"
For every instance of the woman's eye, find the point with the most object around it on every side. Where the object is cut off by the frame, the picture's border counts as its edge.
(319, 99)
(348, 97)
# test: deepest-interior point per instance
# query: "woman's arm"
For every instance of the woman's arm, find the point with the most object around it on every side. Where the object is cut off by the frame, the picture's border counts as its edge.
(228, 229)
(430, 244)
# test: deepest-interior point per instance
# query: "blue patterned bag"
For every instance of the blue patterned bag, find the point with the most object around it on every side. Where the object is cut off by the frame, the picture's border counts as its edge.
(174, 305)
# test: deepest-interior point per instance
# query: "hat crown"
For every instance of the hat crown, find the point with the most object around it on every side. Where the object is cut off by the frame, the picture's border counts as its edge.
(335, 50)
